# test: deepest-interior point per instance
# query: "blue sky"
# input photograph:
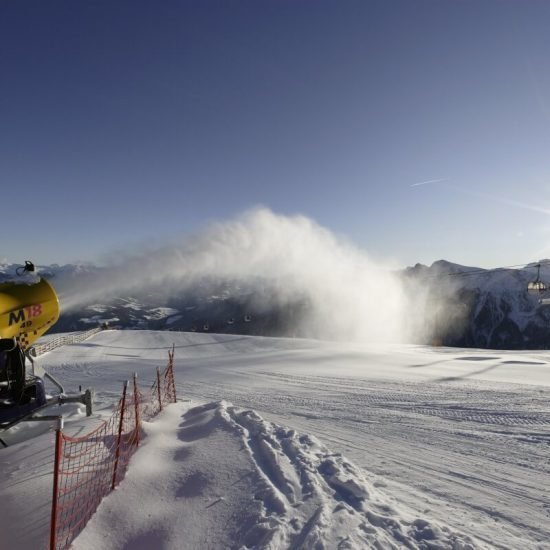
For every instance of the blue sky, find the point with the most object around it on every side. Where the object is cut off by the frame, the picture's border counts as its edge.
(130, 121)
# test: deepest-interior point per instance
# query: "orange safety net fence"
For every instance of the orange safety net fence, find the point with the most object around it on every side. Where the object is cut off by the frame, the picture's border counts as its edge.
(87, 468)
(163, 390)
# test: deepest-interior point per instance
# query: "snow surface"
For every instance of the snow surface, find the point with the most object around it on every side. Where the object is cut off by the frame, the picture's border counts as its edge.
(287, 443)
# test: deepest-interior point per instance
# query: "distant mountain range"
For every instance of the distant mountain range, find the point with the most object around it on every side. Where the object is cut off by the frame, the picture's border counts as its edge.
(461, 306)
(211, 306)
(484, 308)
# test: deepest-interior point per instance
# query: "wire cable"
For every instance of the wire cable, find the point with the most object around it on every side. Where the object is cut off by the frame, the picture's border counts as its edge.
(481, 271)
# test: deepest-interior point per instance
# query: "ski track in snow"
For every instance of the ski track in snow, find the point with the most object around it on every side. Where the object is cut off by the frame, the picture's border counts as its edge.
(483, 452)
(456, 439)
(303, 474)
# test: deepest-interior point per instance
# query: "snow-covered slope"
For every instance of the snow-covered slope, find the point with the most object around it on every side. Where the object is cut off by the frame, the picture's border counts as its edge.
(298, 442)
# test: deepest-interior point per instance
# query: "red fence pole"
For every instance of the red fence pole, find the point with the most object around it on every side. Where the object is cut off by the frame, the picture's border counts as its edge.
(171, 354)
(56, 467)
(158, 389)
(136, 409)
(172, 380)
(173, 385)
(120, 425)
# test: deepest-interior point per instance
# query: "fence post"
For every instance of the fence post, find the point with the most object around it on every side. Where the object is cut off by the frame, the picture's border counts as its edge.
(136, 409)
(55, 495)
(158, 389)
(171, 369)
(120, 426)
(88, 398)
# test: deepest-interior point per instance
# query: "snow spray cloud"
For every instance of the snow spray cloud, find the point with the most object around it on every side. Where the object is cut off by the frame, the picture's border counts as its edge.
(348, 295)
(436, 310)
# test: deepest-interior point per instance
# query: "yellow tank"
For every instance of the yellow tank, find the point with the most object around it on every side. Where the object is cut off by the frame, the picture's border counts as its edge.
(27, 311)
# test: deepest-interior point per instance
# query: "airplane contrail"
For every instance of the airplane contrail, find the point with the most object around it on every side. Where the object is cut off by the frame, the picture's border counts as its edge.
(523, 205)
(481, 194)
(439, 180)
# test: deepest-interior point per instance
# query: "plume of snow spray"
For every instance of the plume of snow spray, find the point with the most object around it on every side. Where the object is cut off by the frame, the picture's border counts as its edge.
(348, 295)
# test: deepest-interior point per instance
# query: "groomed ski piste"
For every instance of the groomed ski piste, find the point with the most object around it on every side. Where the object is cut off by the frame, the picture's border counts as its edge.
(288, 443)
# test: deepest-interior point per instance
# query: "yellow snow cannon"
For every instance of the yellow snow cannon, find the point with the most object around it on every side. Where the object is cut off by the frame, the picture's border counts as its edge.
(27, 310)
